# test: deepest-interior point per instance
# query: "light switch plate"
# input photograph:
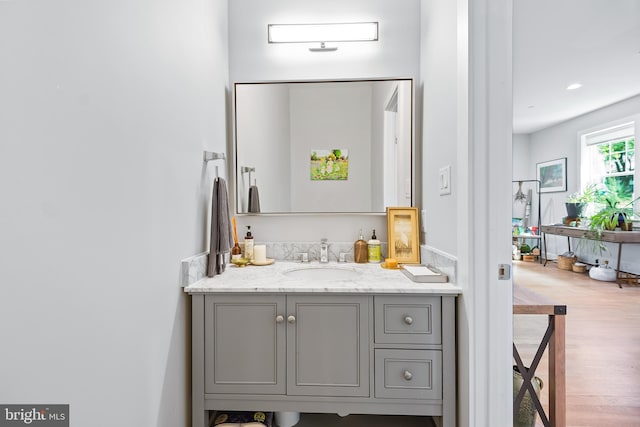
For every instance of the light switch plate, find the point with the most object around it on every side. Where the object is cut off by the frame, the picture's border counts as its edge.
(444, 180)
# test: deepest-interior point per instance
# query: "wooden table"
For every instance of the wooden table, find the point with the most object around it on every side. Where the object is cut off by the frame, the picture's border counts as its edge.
(619, 237)
(526, 301)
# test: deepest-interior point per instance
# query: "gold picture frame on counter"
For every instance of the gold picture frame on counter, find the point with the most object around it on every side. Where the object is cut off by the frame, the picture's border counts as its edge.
(403, 236)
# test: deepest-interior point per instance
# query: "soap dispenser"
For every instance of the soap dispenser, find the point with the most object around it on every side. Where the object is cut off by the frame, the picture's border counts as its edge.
(248, 244)
(360, 250)
(373, 246)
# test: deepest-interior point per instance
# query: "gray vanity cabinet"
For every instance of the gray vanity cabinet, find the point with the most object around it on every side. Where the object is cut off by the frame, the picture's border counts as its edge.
(345, 353)
(253, 344)
(244, 344)
(328, 345)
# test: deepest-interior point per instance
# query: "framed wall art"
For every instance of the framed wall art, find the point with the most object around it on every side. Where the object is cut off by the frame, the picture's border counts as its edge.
(552, 175)
(329, 165)
(403, 234)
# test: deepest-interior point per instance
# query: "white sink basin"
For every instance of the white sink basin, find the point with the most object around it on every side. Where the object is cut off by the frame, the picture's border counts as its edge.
(322, 273)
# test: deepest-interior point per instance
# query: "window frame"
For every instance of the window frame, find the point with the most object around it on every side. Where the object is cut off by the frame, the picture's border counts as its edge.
(586, 138)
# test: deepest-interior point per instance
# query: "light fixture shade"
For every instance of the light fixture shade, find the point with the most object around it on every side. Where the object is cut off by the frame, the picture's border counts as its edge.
(310, 33)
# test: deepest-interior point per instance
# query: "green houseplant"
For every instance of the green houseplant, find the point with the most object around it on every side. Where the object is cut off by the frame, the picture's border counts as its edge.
(613, 213)
(576, 202)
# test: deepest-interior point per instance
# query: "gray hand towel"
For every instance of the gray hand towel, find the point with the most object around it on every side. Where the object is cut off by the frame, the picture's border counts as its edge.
(254, 199)
(221, 239)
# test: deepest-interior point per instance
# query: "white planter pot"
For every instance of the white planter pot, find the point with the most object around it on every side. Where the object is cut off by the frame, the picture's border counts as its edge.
(606, 274)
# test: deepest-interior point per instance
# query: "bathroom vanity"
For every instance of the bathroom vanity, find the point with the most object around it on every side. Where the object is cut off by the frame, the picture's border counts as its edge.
(327, 338)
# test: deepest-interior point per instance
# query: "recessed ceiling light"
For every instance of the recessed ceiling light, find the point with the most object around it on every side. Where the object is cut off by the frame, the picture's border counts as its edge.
(574, 86)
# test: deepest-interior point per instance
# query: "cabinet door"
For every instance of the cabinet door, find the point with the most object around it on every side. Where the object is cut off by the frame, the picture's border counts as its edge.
(245, 344)
(328, 345)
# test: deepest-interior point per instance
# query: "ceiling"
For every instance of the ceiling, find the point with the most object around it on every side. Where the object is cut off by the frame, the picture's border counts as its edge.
(560, 42)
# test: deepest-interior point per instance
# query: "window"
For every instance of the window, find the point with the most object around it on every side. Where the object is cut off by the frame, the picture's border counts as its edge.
(609, 158)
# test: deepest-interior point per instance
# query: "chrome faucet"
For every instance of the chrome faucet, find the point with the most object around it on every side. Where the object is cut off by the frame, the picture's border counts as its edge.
(324, 251)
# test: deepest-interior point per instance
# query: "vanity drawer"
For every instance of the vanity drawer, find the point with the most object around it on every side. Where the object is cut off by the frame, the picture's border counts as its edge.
(408, 374)
(408, 320)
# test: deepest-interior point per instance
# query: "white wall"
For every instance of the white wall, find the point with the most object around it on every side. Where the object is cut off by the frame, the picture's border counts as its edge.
(524, 170)
(346, 125)
(439, 79)
(439, 71)
(522, 167)
(467, 122)
(562, 141)
(396, 54)
(105, 110)
(266, 142)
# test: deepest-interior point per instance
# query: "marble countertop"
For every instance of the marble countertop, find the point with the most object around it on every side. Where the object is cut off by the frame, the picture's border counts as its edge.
(367, 278)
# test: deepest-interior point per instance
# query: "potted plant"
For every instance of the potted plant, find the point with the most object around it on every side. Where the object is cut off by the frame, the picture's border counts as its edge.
(611, 212)
(612, 215)
(576, 202)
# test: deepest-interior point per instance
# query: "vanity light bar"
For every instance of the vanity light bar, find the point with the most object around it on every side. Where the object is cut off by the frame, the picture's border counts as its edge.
(320, 33)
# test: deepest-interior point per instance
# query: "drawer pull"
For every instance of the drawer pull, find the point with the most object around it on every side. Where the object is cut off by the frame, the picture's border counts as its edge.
(291, 319)
(407, 375)
(408, 320)
(279, 318)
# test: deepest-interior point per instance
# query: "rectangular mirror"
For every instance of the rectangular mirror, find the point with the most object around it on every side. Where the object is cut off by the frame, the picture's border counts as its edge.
(323, 146)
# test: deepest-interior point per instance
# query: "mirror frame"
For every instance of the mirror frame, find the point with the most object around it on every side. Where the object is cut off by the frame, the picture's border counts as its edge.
(234, 172)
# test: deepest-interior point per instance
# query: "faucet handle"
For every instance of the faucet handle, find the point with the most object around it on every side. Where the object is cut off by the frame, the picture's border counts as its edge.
(324, 240)
(303, 256)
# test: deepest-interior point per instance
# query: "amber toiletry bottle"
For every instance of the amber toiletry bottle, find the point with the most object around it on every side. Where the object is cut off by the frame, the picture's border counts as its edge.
(360, 250)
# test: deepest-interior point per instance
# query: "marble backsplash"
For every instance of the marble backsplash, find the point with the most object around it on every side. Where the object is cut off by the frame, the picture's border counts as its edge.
(290, 251)
(443, 261)
(195, 268)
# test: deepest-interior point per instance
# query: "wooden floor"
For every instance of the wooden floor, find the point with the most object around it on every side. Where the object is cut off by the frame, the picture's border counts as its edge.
(602, 344)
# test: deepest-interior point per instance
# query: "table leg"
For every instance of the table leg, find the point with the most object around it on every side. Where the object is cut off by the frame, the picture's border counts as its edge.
(544, 242)
(618, 266)
(557, 386)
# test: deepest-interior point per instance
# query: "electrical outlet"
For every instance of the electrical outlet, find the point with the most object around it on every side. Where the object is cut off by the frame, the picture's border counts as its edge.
(444, 180)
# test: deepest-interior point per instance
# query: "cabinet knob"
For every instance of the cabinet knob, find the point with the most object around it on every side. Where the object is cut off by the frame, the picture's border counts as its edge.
(408, 320)
(279, 318)
(291, 319)
(407, 375)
